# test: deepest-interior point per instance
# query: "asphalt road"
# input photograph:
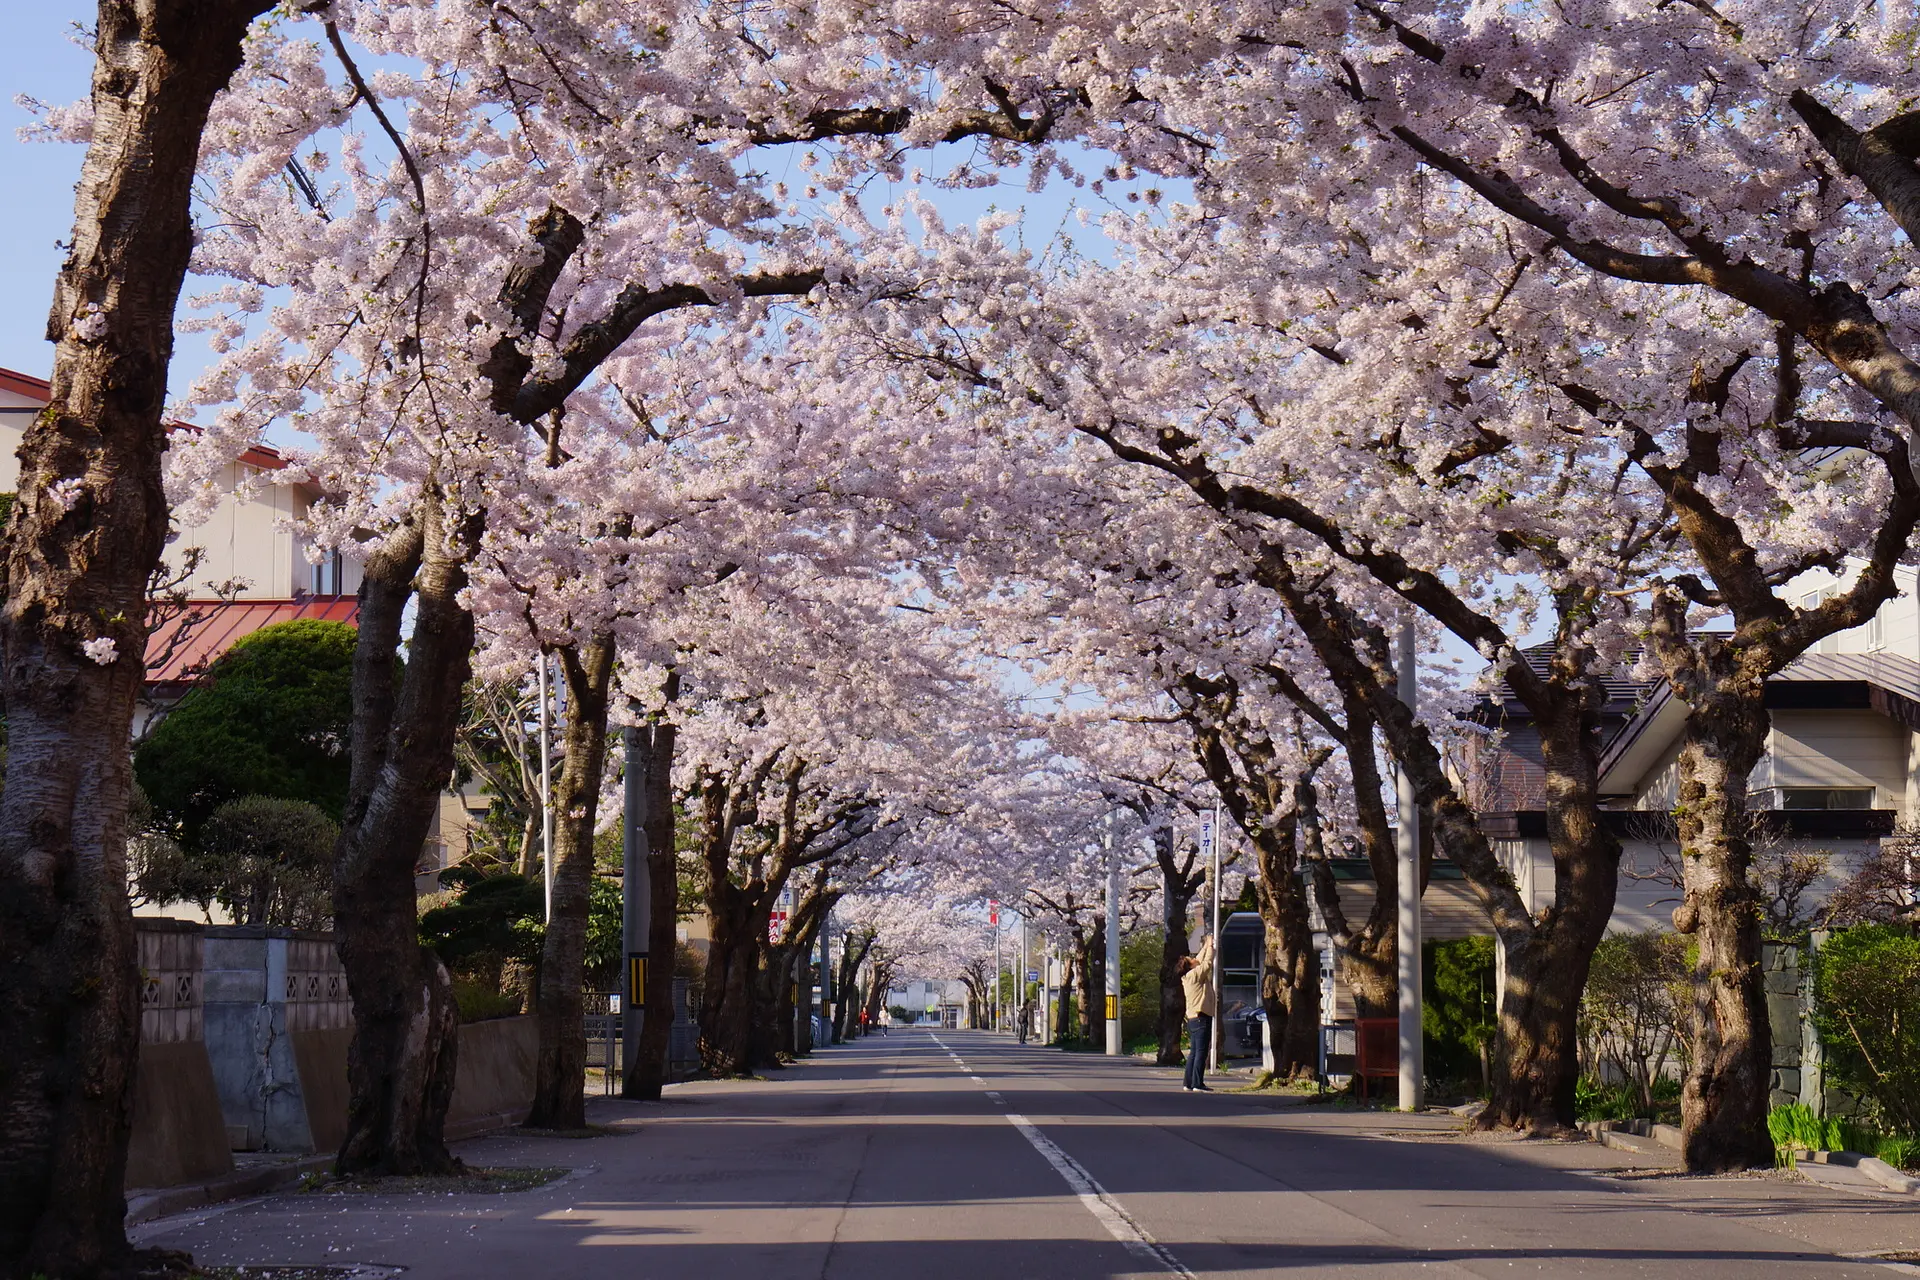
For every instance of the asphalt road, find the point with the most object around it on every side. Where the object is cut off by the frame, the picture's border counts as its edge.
(960, 1156)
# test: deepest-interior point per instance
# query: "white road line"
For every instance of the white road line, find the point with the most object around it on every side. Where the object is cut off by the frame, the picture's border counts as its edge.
(1119, 1224)
(996, 1097)
(976, 1079)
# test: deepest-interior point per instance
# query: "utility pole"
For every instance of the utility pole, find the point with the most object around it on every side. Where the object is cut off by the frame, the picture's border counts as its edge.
(1111, 986)
(636, 901)
(1407, 934)
(993, 918)
(546, 786)
(1210, 838)
(1020, 982)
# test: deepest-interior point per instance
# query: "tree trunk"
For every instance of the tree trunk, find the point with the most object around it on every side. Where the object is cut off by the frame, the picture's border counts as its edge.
(804, 966)
(1063, 1002)
(1177, 887)
(1723, 1107)
(854, 946)
(728, 995)
(559, 1094)
(85, 536)
(400, 1064)
(1290, 976)
(1093, 984)
(1537, 1063)
(652, 1067)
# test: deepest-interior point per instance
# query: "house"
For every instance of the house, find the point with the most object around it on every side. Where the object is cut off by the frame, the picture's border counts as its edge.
(249, 567)
(1841, 770)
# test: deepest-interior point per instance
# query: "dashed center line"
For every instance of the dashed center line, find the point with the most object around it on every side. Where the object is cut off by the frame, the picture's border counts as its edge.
(1106, 1210)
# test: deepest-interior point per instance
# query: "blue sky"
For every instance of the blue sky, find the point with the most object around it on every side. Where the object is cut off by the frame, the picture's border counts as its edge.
(37, 59)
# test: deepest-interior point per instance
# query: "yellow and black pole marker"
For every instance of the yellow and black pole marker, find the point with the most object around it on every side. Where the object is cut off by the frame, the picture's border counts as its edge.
(637, 979)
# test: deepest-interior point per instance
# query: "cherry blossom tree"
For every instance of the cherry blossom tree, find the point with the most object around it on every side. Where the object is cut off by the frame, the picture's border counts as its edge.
(83, 540)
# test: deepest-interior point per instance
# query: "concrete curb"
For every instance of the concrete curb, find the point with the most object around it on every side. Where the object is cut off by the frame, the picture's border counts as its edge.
(1879, 1170)
(167, 1201)
(1626, 1139)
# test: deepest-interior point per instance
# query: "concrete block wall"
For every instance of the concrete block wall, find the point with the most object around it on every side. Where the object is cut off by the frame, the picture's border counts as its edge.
(267, 988)
(178, 1134)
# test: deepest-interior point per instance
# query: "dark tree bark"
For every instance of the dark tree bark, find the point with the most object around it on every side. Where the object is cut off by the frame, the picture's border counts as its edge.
(1537, 1061)
(400, 1064)
(1093, 982)
(559, 1096)
(855, 944)
(1368, 954)
(650, 1069)
(77, 572)
(1180, 879)
(1245, 770)
(738, 1031)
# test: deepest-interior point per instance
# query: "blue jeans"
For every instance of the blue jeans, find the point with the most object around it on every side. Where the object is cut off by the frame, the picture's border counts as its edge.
(1199, 1049)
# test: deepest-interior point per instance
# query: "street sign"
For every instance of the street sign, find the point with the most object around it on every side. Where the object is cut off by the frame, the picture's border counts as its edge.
(993, 911)
(1206, 833)
(775, 922)
(1113, 1007)
(1033, 975)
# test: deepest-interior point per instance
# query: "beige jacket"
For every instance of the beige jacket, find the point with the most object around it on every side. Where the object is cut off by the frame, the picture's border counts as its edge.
(1197, 982)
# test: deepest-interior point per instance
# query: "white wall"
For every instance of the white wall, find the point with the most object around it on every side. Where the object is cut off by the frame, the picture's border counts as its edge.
(246, 537)
(1837, 749)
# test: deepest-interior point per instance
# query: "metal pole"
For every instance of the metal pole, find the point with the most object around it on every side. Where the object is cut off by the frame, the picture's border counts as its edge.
(1020, 982)
(993, 913)
(1218, 836)
(1111, 985)
(546, 787)
(1407, 937)
(636, 900)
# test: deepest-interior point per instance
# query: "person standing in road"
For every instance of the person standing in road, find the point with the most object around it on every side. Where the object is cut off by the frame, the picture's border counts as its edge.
(1196, 981)
(886, 1020)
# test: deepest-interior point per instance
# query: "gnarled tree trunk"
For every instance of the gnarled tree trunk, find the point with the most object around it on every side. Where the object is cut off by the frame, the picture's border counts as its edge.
(559, 1094)
(86, 534)
(1724, 1103)
(400, 1063)
(1179, 882)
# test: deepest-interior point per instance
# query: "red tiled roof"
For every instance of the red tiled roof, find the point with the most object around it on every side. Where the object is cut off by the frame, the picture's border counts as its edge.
(223, 622)
(266, 457)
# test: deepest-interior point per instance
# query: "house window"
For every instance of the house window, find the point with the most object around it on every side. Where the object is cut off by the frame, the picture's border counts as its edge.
(327, 575)
(1826, 797)
(1875, 631)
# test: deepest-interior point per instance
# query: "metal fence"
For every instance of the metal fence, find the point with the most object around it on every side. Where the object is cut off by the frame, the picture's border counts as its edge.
(605, 1047)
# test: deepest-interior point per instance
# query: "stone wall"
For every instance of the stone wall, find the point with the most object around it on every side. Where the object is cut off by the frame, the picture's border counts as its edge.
(1797, 1052)
(268, 990)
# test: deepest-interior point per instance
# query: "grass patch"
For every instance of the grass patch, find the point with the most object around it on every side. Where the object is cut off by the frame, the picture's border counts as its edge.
(589, 1131)
(475, 1181)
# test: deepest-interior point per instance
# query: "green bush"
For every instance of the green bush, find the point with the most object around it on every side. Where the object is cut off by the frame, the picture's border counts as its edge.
(493, 919)
(1593, 1100)
(1140, 984)
(1458, 1014)
(1866, 983)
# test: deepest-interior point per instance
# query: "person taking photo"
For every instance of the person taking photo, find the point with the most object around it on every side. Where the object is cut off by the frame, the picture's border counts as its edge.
(1196, 982)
